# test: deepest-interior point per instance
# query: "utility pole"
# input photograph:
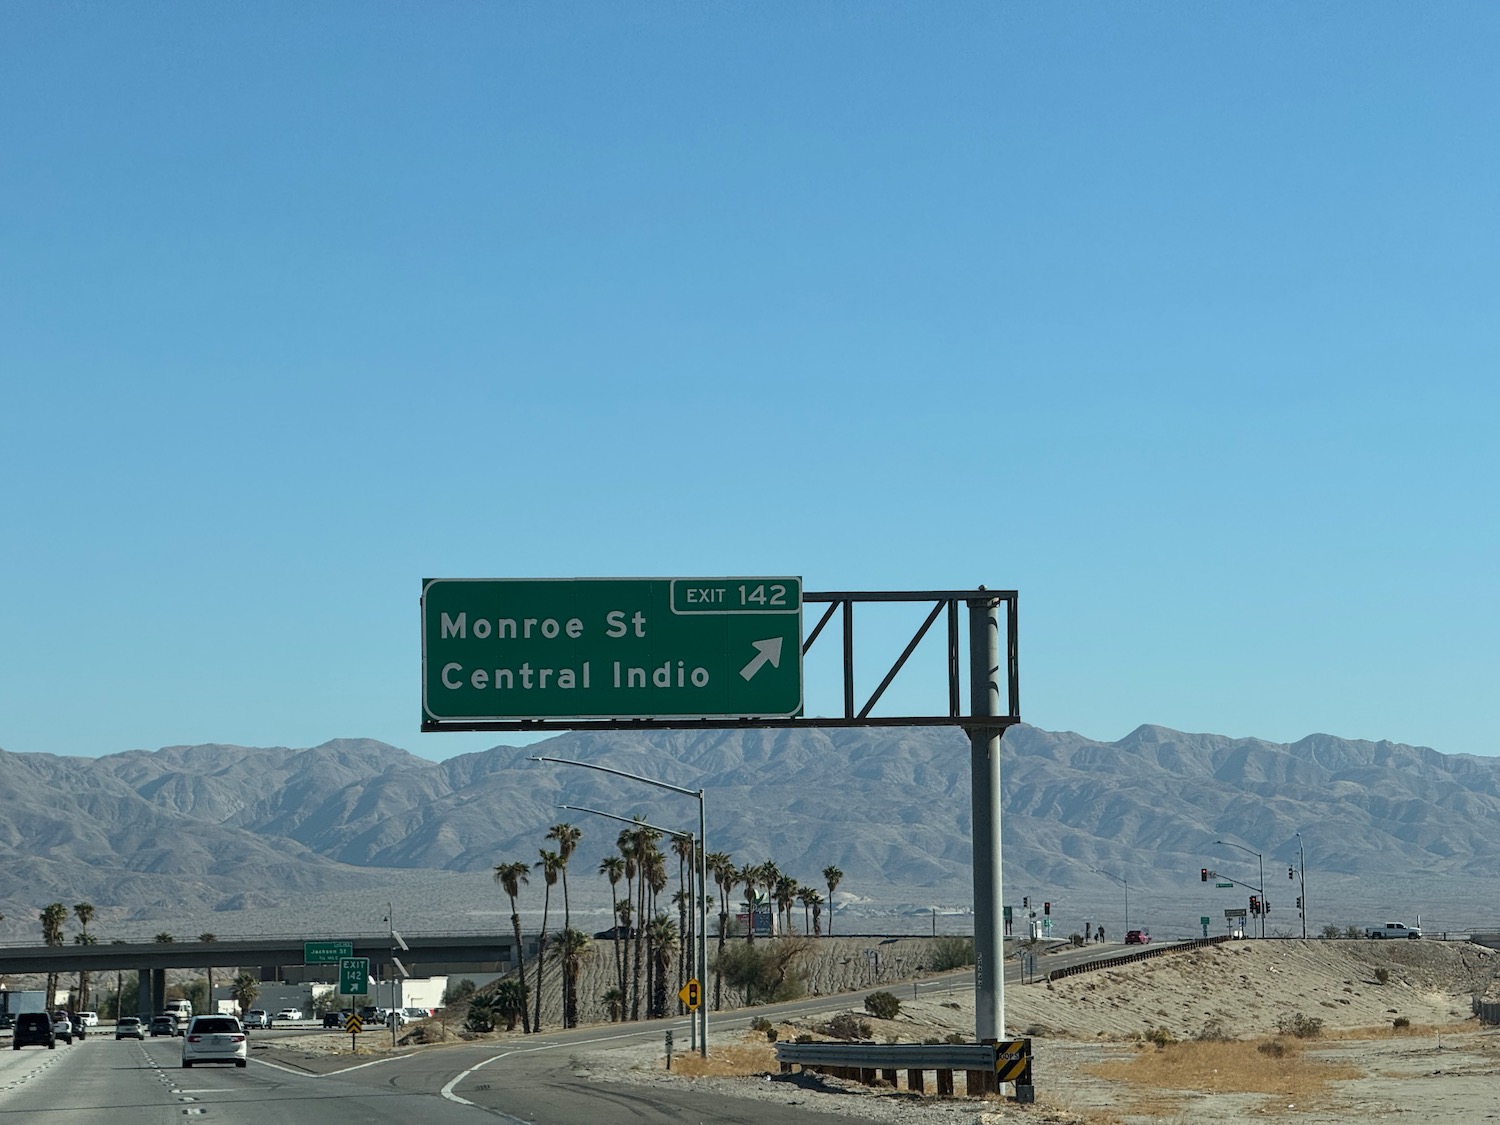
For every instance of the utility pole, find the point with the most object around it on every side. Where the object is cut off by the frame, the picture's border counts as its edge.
(1262, 885)
(1302, 869)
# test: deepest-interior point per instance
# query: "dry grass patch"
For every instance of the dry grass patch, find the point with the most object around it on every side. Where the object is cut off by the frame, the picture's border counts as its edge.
(1388, 1031)
(1284, 1070)
(728, 1061)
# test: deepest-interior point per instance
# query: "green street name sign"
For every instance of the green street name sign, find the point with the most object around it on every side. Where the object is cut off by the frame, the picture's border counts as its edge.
(354, 976)
(611, 648)
(1224, 886)
(326, 952)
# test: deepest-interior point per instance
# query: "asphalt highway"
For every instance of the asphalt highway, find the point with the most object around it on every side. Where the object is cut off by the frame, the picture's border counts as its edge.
(538, 1079)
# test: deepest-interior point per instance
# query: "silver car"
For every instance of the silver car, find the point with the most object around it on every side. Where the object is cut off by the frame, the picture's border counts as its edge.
(215, 1039)
(129, 1027)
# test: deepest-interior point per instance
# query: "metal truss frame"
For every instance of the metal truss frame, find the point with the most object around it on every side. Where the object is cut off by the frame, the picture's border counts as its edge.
(842, 601)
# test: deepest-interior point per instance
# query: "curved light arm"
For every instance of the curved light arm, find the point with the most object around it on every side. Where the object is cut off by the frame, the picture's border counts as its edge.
(620, 773)
(630, 820)
(1242, 848)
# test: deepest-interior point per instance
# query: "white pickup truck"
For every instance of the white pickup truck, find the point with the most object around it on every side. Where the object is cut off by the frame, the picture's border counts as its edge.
(1393, 930)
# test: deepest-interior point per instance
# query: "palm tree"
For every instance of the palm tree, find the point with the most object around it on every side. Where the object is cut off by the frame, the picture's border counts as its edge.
(614, 1002)
(654, 872)
(726, 877)
(209, 1006)
(512, 876)
(164, 938)
(832, 876)
(626, 844)
(817, 905)
(52, 919)
(687, 852)
(805, 896)
(509, 1002)
(768, 876)
(785, 893)
(642, 850)
(612, 867)
(664, 936)
(244, 990)
(750, 875)
(84, 911)
(572, 949)
(567, 837)
(551, 864)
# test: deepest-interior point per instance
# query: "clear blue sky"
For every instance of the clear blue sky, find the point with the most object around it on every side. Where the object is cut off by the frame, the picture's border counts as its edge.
(1178, 318)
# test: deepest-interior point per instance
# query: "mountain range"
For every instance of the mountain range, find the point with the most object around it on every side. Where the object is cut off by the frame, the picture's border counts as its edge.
(224, 828)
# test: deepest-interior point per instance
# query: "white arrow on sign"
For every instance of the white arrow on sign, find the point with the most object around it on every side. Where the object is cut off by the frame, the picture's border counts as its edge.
(765, 651)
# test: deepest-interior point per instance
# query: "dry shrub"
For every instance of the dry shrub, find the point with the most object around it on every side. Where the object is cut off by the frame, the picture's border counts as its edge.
(847, 1025)
(1214, 1031)
(1283, 1070)
(1300, 1025)
(728, 1061)
(1161, 1036)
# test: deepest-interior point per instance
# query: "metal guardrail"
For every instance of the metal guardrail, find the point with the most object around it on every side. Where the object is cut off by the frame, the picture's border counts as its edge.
(890, 1056)
(1141, 955)
(986, 1065)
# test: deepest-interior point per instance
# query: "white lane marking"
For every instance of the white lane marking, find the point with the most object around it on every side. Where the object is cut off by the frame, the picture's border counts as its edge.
(447, 1091)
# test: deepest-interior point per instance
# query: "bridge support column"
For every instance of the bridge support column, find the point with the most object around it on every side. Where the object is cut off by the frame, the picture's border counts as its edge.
(143, 995)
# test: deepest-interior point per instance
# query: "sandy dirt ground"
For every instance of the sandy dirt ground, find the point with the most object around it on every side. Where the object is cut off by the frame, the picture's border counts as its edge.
(1200, 1036)
(1098, 1062)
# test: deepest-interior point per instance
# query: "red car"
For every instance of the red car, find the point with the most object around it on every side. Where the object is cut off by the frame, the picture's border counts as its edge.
(1137, 937)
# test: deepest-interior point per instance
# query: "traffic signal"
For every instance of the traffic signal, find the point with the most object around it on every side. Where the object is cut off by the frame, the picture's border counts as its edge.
(1255, 904)
(1289, 873)
(1204, 873)
(1026, 903)
(1046, 908)
(1299, 902)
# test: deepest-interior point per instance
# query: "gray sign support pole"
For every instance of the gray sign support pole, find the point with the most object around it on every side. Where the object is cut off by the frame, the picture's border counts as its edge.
(989, 941)
(702, 1012)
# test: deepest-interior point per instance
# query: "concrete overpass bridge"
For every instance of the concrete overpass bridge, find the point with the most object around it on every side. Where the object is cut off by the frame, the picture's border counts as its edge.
(272, 958)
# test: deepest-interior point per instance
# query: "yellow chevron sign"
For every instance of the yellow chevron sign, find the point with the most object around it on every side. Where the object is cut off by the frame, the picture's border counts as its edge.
(1013, 1059)
(353, 1024)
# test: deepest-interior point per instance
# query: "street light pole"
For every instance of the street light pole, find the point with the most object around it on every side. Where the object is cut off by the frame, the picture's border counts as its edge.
(1302, 869)
(702, 1013)
(1262, 887)
(1124, 883)
(390, 921)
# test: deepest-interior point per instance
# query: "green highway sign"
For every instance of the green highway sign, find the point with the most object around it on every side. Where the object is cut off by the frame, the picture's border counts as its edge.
(1203, 920)
(326, 952)
(354, 976)
(611, 648)
(1224, 886)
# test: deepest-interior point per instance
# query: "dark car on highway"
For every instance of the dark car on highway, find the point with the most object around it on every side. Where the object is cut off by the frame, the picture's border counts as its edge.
(163, 1025)
(34, 1029)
